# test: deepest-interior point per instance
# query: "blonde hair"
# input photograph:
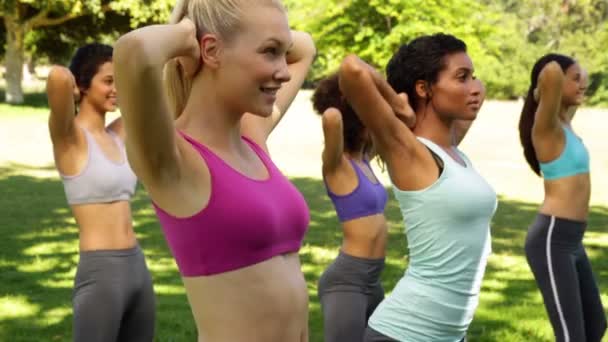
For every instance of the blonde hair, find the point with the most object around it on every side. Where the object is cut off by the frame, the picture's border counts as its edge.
(221, 17)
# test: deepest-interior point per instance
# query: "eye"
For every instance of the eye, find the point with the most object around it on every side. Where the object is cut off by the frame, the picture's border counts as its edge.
(271, 51)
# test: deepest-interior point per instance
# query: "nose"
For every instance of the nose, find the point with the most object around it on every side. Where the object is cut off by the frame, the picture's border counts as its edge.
(478, 88)
(282, 74)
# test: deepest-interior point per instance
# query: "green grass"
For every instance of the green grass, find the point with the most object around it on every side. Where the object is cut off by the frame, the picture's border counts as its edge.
(38, 256)
(39, 246)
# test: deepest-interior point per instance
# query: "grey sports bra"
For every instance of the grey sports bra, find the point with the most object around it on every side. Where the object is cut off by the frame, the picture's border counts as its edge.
(101, 180)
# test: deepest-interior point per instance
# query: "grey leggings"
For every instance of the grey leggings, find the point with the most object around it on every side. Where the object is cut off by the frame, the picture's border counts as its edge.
(349, 291)
(372, 335)
(113, 297)
(556, 255)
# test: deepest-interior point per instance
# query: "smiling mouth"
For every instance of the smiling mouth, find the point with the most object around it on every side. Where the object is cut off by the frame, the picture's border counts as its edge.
(270, 91)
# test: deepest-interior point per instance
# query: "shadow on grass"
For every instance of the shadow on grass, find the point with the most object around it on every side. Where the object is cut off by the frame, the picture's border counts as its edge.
(39, 253)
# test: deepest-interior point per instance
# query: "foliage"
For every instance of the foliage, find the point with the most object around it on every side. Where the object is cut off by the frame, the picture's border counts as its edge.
(504, 37)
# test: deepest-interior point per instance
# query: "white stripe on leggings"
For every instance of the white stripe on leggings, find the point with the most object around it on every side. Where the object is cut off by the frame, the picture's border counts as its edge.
(552, 278)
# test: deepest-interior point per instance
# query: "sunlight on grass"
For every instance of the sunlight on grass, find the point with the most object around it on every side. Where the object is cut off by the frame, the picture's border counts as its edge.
(61, 280)
(44, 265)
(54, 316)
(319, 254)
(17, 307)
(51, 248)
(169, 289)
(46, 233)
(161, 264)
(596, 238)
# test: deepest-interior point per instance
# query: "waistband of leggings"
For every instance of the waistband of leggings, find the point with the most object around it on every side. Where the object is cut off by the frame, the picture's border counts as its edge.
(369, 261)
(112, 252)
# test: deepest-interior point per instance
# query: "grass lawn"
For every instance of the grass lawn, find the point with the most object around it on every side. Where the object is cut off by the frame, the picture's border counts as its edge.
(38, 253)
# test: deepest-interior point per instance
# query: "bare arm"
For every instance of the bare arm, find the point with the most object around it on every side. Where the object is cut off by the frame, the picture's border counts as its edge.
(334, 140)
(377, 105)
(60, 88)
(550, 83)
(299, 58)
(139, 57)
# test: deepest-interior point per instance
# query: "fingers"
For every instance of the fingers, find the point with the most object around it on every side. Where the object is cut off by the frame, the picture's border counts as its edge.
(404, 111)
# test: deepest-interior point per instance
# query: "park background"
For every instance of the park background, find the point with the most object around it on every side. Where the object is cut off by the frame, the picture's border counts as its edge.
(38, 237)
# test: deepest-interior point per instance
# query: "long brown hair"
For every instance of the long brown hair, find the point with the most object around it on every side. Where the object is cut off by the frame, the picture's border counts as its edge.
(528, 112)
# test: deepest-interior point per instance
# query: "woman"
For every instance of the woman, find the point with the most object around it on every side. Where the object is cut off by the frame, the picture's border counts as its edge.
(350, 288)
(554, 247)
(233, 222)
(113, 295)
(446, 205)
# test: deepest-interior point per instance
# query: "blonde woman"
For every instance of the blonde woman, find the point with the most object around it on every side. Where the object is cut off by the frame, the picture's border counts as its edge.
(233, 222)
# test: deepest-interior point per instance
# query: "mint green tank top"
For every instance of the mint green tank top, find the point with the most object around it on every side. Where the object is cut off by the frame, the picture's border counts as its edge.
(448, 233)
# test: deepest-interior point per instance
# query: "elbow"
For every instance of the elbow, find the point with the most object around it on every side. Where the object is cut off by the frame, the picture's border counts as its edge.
(310, 50)
(130, 53)
(352, 68)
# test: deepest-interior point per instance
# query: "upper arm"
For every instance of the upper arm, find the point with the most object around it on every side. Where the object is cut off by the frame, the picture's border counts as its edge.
(299, 59)
(60, 88)
(151, 147)
(334, 139)
(546, 121)
(358, 85)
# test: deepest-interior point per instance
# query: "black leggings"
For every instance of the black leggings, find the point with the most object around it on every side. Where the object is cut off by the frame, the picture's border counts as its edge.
(113, 297)
(556, 255)
(349, 291)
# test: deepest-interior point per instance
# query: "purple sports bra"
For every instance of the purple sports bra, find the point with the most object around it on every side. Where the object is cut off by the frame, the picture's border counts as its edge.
(367, 199)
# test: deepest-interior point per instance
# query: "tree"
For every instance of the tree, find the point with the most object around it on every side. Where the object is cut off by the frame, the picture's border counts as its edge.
(21, 17)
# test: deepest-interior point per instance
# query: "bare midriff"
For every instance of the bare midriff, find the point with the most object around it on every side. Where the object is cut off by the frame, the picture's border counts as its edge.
(105, 226)
(265, 302)
(365, 237)
(568, 197)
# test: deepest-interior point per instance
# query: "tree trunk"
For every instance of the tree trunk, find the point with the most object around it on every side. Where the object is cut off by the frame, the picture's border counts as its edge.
(14, 59)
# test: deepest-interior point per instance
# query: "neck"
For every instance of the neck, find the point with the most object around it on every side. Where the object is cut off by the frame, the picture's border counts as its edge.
(90, 117)
(430, 126)
(566, 114)
(207, 118)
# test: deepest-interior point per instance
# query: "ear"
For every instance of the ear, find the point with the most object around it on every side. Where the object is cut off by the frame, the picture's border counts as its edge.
(422, 89)
(210, 50)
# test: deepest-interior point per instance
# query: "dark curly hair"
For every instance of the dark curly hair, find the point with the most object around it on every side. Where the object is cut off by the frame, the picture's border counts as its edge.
(528, 112)
(422, 59)
(86, 62)
(328, 94)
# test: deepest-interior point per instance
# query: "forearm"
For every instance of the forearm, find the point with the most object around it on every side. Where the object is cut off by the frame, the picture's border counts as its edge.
(152, 46)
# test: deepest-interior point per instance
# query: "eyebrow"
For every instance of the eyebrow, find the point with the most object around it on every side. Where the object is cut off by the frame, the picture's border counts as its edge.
(280, 43)
(465, 69)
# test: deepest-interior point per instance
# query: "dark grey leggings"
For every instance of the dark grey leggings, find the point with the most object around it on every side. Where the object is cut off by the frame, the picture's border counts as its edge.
(563, 274)
(113, 297)
(349, 291)
(372, 335)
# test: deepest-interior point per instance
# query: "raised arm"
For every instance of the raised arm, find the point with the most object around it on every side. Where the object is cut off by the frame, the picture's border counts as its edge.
(299, 58)
(61, 89)
(378, 106)
(549, 89)
(334, 140)
(139, 57)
